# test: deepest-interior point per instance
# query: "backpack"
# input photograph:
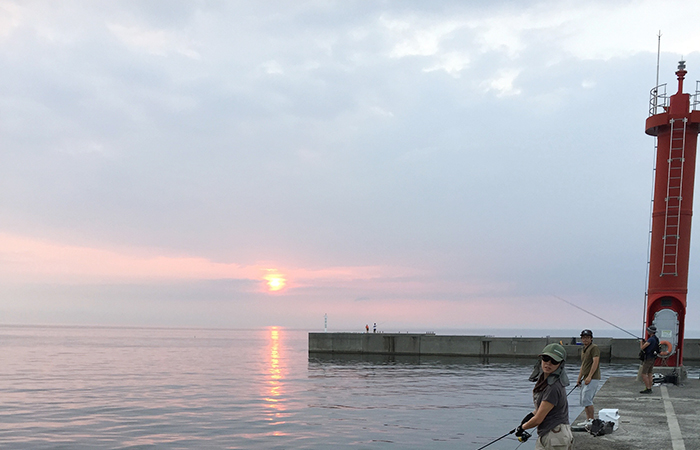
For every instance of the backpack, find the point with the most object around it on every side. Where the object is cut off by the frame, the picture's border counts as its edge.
(655, 352)
(600, 427)
(656, 347)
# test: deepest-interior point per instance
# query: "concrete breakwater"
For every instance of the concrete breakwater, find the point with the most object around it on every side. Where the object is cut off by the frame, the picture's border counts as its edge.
(429, 344)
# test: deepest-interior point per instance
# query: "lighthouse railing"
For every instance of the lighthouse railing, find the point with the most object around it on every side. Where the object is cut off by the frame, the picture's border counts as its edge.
(659, 100)
(695, 98)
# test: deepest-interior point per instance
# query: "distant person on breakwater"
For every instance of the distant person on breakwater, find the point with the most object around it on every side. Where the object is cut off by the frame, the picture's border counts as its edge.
(589, 375)
(375, 327)
(650, 347)
(551, 415)
(367, 327)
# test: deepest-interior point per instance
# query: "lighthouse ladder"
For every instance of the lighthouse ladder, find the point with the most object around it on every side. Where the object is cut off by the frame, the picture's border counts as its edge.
(674, 197)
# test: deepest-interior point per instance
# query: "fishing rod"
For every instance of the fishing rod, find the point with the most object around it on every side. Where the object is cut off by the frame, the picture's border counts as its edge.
(597, 317)
(496, 440)
(525, 436)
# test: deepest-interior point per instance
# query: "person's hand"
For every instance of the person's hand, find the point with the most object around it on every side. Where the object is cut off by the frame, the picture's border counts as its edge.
(522, 435)
(578, 383)
(588, 381)
(526, 418)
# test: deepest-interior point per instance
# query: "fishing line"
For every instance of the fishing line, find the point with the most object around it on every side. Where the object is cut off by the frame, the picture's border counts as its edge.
(597, 317)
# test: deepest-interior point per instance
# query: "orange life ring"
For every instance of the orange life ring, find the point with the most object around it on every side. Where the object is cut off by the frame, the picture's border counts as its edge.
(668, 348)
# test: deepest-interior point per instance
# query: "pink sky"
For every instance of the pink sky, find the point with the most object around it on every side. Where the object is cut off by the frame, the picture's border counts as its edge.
(406, 305)
(25, 259)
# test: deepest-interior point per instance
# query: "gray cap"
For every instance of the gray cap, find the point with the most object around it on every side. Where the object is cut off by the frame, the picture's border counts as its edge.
(651, 329)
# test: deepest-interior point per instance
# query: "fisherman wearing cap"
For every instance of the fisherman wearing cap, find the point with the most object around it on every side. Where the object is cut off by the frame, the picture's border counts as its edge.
(551, 415)
(589, 375)
(650, 348)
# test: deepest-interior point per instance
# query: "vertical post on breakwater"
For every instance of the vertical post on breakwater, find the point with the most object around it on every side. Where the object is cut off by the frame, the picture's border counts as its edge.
(675, 122)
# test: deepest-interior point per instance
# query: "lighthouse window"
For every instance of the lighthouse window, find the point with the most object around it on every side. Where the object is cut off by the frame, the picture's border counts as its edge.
(666, 302)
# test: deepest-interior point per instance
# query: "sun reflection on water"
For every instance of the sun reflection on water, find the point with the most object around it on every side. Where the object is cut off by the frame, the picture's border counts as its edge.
(275, 387)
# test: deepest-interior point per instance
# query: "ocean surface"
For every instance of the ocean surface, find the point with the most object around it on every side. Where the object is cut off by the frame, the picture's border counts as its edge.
(143, 388)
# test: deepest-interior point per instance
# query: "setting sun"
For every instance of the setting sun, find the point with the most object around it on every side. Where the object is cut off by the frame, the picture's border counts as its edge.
(275, 282)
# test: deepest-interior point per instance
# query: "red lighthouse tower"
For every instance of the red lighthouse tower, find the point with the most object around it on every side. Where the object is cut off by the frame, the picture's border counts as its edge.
(675, 122)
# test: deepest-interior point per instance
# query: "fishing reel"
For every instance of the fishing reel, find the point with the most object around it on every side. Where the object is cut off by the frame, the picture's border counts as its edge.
(522, 435)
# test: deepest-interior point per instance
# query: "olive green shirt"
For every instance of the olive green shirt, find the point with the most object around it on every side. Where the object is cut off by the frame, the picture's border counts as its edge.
(587, 356)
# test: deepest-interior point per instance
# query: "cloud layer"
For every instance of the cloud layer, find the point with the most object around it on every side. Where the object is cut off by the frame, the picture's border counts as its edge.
(410, 164)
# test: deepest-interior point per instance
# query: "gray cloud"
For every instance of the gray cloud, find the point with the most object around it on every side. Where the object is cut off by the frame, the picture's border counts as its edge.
(331, 134)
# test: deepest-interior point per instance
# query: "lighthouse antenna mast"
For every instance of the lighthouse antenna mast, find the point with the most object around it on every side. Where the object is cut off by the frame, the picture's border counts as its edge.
(658, 57)
(653, 177)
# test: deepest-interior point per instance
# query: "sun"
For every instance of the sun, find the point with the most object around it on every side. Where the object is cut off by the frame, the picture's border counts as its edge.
(275, 282)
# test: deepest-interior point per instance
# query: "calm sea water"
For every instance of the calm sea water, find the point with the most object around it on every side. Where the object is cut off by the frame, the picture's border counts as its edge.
(139, 388)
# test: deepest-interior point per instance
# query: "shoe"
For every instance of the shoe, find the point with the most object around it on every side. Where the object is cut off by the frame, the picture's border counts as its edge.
(585, 423)
(645, 391)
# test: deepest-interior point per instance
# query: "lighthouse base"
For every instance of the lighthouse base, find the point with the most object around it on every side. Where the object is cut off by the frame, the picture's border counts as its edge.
(665, 374)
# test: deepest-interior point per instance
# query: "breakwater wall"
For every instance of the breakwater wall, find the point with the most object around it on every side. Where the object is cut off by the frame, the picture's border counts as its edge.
(481, 346)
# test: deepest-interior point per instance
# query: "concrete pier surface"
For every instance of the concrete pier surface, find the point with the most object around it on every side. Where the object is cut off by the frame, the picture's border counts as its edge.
(665, 419)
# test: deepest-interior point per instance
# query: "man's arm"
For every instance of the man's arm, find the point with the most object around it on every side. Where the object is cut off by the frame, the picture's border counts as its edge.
(580, 374)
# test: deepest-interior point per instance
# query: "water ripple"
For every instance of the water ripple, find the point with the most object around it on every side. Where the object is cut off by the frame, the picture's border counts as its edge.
(92, 388)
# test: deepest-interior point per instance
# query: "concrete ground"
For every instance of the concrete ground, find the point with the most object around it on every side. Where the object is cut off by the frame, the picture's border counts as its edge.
(666, 419)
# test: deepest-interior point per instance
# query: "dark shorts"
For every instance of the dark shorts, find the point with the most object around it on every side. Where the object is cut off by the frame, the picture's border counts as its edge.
(648, 366)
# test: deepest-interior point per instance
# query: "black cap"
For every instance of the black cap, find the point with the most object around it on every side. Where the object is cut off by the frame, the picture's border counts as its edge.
(586, 333)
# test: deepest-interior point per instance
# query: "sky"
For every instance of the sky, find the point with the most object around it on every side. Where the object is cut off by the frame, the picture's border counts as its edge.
(419, 165)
